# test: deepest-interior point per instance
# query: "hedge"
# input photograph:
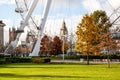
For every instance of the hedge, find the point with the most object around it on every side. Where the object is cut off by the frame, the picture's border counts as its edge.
(2, 60)
(41, 60)
(18, 59)
(101, 56)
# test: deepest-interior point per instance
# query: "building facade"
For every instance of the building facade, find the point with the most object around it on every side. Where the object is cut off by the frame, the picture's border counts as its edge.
(12, 34)
(2, 33)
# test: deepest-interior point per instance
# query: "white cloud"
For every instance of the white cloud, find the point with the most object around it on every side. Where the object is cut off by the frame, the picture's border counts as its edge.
(109, 6)
(114, 3)
(64, 3)
(7, 2)
(8, 22)
(54, 22)
(53, 26)
(92, 5)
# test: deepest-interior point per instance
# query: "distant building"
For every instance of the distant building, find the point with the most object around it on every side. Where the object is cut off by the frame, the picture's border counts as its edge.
(30, 41)
(30, 38)
(12, 34)
(64, 32)
(2, 32)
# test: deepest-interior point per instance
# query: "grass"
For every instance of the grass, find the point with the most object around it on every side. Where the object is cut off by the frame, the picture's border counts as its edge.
(31, 71)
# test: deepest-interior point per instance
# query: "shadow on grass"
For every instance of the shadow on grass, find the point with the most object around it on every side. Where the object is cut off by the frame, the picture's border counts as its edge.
(11, 75)
(32, 67)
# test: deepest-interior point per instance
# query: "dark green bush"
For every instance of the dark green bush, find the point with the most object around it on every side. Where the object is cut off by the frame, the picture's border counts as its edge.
(72, 57)
(2, 60)
(46, 60)
(40, 60)
(18, 59)
(37, 60)
(115, 56)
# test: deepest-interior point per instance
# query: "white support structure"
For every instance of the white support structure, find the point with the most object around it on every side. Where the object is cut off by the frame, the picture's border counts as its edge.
(13, 44)
(41, 28)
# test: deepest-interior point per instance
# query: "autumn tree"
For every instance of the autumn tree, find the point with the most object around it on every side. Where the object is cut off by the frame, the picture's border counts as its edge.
(17, 51)
(45, 45)
(98, 25)
(103, 25)
(87, 35)
(2, 47)
(65, 46)
(101, 20)
(56, 45)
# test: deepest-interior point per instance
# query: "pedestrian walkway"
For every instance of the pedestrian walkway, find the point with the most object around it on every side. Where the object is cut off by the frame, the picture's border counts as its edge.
(78, 61)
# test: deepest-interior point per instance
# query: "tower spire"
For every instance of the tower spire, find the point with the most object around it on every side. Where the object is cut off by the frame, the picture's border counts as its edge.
(64, 31)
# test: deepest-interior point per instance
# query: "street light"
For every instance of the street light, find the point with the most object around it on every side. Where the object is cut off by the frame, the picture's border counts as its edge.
(63, 49)
(64, 39)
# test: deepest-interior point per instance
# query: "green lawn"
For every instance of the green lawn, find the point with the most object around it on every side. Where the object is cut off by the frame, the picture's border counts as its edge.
(59, 72)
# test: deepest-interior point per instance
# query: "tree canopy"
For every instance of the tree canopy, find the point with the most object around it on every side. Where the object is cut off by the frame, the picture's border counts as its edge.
(87, 34)
(91, 33)
(103, 25)
(56, 45)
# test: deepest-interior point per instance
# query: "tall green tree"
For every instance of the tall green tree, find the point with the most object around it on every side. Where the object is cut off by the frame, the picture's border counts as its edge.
(101, 20)
(103, 25)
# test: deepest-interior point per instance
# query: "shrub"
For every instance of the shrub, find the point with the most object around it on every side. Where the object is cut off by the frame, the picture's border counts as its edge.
(115, 56)
(46, 60)
(2, 60)
(18, 59)
(40, 60)
(37, 60)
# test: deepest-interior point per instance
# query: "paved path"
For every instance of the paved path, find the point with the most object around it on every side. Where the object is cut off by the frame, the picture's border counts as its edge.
(77, 61)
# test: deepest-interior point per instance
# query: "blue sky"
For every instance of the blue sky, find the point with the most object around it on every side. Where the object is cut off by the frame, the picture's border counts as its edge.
(71, 11)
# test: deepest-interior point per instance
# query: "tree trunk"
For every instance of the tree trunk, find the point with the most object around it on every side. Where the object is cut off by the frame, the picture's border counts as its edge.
(108, 59)
(87, 58)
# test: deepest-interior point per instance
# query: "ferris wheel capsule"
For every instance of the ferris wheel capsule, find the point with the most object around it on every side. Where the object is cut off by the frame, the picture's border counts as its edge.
(116, 35)
(19, 10)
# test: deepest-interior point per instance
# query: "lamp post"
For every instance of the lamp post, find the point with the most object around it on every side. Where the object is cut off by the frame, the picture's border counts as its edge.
(63, 49)
(64, 40)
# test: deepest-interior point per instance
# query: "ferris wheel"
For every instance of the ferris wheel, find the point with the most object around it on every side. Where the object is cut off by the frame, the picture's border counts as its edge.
(26, 9)
(115, 21)
(22, 7)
